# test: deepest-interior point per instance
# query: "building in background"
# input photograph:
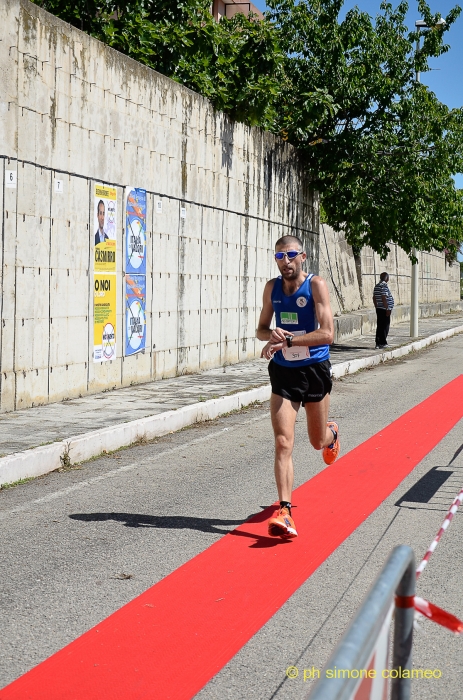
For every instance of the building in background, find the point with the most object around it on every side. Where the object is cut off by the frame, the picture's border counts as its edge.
(228, 8)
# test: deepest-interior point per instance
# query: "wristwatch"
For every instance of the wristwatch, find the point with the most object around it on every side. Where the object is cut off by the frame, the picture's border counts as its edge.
(289, 341)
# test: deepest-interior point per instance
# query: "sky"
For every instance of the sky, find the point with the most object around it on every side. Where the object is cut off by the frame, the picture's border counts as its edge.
(446, 78)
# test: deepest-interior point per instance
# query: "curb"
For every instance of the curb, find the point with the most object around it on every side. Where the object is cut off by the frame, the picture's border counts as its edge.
(351, 366)
(41, 460)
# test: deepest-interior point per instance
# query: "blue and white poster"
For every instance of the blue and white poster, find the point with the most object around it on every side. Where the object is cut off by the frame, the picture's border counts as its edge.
(135, 303)
(135, 231)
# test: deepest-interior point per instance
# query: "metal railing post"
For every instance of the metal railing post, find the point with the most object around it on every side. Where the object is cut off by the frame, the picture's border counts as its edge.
(403, 634)
(354, 651)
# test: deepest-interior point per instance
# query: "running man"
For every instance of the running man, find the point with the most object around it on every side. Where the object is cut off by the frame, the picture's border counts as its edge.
(299, 368)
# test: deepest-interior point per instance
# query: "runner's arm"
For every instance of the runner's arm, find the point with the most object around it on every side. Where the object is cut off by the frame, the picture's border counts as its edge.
(264, 332)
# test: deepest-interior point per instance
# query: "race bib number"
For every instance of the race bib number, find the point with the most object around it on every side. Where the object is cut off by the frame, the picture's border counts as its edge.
(296, 353)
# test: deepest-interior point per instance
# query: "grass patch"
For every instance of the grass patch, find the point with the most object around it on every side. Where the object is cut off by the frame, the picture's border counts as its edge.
(68, 468)
(243, 409)
(246, 388)
(3, 487)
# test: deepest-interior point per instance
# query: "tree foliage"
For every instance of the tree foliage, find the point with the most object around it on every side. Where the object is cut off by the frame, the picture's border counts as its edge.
(235, 63)
(377, 144)
(382, 149)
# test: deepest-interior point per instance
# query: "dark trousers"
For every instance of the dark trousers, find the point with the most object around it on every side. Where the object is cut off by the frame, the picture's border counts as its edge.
(383, 322)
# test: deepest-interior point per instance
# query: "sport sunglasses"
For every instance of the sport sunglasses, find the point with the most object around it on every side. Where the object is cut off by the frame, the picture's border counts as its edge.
(290, 254)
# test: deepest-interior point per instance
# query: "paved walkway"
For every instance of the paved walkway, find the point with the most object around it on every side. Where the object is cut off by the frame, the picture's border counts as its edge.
(32, 427)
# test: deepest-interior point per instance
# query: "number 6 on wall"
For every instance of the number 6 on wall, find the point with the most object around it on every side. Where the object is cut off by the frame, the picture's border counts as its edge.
(10, 178)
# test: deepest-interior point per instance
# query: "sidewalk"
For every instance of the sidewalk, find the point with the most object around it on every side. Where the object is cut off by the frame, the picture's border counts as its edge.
(103, 415)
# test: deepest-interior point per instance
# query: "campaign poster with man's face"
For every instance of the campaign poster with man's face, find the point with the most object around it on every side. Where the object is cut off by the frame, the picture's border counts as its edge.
(105, 227)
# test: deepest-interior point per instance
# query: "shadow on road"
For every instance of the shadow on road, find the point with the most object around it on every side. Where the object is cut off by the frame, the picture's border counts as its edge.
(170, 522)
(347, 348)
(460, 449)
(182, 522)
(426, 487)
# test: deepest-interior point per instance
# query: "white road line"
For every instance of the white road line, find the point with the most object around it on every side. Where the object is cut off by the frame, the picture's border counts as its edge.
(126, 468)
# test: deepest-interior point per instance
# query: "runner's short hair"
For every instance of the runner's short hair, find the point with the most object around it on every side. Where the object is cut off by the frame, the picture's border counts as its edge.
(284, 240)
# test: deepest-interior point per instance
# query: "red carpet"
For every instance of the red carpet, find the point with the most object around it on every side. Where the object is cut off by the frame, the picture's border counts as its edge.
(170, 641)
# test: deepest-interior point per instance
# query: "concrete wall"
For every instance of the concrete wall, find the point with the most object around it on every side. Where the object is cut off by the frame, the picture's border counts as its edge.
(74, 110)
(438, 282)
(337, 266)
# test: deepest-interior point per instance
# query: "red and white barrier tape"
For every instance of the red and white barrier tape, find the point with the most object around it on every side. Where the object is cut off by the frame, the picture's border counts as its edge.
(436, 614)
(448, 519)
(424, 607)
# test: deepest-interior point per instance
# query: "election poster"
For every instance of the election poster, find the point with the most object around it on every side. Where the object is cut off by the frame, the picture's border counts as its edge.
(105, 227)
(104, 317)
(135, 230)
(135, 301)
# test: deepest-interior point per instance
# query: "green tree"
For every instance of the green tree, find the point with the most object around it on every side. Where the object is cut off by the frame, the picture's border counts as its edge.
(380, 147)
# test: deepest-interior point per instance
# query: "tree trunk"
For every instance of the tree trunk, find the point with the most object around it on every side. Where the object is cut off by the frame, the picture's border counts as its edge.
(358, 269)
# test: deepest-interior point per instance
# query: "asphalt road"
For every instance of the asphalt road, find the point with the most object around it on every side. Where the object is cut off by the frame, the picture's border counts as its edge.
(68, 538)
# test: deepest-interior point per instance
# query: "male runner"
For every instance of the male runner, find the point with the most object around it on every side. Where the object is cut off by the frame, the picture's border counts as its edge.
(299, 368)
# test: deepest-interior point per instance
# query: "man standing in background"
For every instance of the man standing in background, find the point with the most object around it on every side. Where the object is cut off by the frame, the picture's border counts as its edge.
(384, 303)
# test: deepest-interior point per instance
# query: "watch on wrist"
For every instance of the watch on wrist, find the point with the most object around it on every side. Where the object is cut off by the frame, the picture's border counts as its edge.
(289, 341)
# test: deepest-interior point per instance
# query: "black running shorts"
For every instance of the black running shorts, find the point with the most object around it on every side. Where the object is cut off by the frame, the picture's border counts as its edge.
(308, 384)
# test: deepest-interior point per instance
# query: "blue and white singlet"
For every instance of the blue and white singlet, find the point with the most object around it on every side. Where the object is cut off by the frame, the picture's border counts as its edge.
(296, 314)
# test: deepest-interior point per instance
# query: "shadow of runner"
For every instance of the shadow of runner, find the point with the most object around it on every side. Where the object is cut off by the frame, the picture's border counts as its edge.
(182, 522)
(169, 522)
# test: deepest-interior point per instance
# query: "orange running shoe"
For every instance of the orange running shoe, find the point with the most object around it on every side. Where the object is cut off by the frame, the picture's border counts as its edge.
(282, 524)
(331, 452)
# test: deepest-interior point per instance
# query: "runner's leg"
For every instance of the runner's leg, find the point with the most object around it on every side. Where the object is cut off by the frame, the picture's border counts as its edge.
(283, 414)
(320, 435)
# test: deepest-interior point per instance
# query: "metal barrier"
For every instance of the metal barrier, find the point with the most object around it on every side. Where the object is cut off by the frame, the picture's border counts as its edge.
(357, 646)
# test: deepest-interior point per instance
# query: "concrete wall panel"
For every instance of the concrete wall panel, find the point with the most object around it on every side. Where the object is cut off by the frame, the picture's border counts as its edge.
(8, 284)
(166, 364)
(104, 375)
(32, 235)
(136, 368)
(437, 280)
(79, 113)
(32, 297)
(31, 388)
(31, 346)
(64, 346)
(9, 56)
(8, 389)
(68, 381)
(8, 318)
